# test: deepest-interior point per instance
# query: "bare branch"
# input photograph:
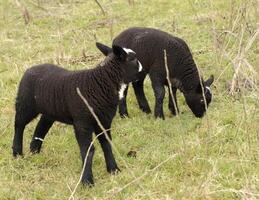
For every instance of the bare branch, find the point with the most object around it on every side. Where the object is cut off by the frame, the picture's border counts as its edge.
(100, 6)
(169, 83)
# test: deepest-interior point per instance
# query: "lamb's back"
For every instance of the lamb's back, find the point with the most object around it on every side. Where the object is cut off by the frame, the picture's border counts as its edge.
(149, 45)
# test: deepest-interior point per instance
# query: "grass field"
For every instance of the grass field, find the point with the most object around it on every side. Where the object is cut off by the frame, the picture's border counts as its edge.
(216, 157)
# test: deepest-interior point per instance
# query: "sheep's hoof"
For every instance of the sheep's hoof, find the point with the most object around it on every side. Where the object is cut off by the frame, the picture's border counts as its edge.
(114, 170)
(17, 152)
(88, 182)
(145, 109)
(35, 146)
(160, 116)
(124, 115)
(172, 110)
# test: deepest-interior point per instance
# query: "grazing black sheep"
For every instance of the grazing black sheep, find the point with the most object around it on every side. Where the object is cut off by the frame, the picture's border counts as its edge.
(149, 45)
(51, 91)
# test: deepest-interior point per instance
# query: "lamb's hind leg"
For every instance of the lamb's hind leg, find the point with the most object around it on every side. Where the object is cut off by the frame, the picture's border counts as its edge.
(141, 98)
(40, 132)
(24, 115)
(159, 91)
(111, 164)
(83, 134)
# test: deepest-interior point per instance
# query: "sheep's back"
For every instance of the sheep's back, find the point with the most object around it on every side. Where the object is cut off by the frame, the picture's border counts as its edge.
(47, 82)
(149, 45)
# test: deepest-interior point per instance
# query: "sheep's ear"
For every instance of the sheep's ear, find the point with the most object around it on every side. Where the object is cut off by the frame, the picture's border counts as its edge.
(119, 52)
(209, 81)
(103, 48)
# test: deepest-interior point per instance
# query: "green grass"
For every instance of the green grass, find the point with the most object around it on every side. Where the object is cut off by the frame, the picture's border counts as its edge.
(216, 157)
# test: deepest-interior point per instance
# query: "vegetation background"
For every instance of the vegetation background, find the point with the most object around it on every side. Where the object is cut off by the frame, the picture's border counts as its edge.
(183, 157)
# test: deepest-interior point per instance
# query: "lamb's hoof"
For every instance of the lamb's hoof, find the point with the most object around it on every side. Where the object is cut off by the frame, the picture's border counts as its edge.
(88, 182)
(124, 115)
(173, 112)
(35, 146)
(114, 170)
(145, 109)
(17, 152)
(160, 116)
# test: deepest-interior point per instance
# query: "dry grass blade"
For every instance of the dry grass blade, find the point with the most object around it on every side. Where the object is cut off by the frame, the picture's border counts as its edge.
(251, 41)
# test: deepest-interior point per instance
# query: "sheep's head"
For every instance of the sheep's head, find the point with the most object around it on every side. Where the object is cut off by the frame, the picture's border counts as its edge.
(195, 98)
(128, 62)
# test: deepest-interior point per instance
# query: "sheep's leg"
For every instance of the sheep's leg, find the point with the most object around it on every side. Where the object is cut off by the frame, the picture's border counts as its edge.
(23, 116)
(40, 132)
(159, 91)
(140, 95)
(123, 111)
(18, 139)
(84, 139)
(111, 164)
(171, 104)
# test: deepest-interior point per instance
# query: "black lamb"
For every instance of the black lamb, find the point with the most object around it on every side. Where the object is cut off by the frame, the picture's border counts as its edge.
(149, 45)
(50, 90)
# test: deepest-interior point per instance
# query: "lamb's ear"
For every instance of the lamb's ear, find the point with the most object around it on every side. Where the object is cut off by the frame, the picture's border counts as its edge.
(209, 81)
(119, 52)
(103, 48)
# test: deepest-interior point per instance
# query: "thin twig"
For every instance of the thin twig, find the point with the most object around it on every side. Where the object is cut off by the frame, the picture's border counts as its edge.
(202, 89)
(100, 6)
(169, 83)
(25, 12)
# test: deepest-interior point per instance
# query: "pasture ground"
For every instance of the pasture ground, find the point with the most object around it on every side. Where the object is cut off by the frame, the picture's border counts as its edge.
(215, 157)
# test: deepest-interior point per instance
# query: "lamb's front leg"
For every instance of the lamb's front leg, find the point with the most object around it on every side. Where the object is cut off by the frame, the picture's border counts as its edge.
(84, 138)
(159, 91)
(123, 111)
(111, 164)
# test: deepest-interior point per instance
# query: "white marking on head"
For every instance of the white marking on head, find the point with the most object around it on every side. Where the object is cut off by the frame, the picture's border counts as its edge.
(121, 90)
(128, 50)
(208, 88)
(140, 68)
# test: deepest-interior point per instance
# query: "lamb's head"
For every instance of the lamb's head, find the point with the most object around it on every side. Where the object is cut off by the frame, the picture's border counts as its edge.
(128, 62)
(195, 98)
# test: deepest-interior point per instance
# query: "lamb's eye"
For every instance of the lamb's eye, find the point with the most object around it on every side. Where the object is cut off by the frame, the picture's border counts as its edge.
(202, 100)
(130, 58)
